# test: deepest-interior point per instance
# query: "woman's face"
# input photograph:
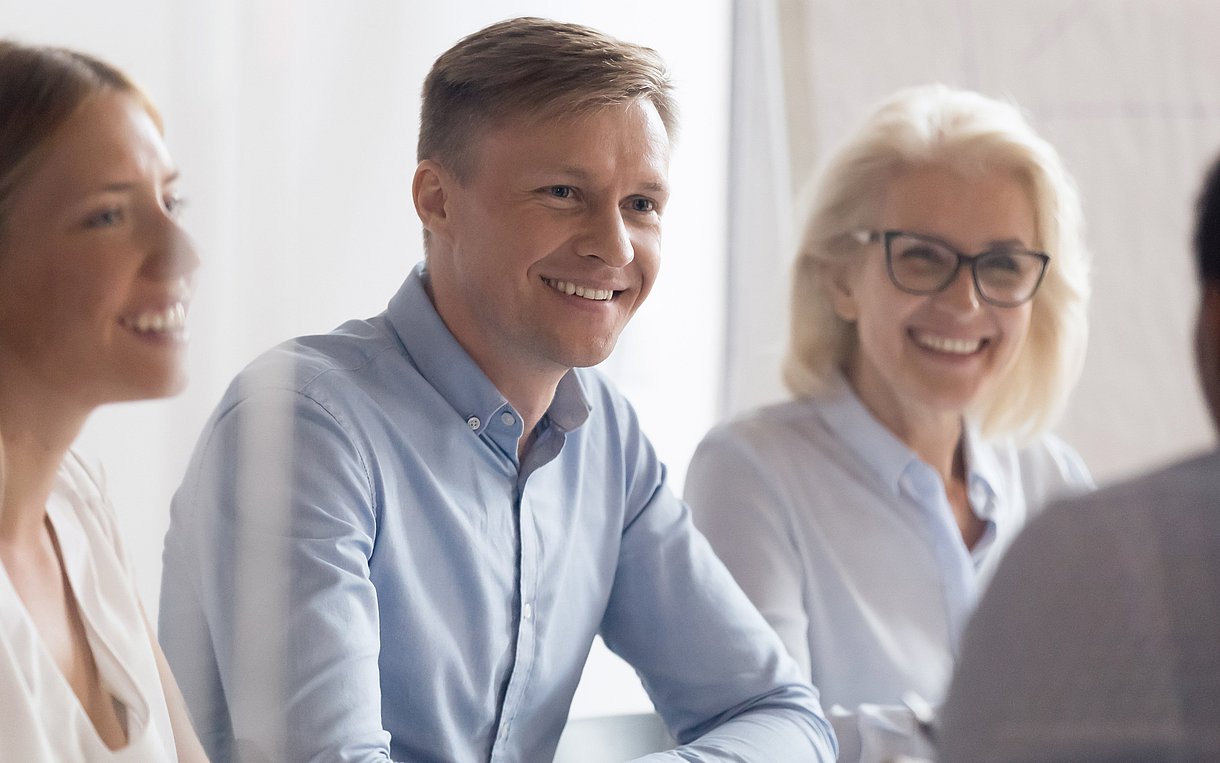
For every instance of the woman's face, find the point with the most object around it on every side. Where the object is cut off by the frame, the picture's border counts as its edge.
(95, 272)
(933, 355)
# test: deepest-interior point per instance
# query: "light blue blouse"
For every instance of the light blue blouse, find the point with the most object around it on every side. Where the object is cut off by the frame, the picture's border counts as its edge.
(847, 544)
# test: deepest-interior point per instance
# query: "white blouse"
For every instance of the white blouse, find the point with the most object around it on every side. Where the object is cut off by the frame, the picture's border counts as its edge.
(846, 542)
(41, 717)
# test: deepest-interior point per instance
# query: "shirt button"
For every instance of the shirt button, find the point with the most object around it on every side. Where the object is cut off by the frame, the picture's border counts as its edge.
(474, 423)
(507, 419)
(527, 611)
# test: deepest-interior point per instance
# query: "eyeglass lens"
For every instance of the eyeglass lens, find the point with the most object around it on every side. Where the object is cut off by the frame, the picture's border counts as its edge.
(1006, 275)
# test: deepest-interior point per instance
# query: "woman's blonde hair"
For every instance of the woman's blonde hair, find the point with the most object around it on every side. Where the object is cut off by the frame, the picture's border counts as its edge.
(935, 125)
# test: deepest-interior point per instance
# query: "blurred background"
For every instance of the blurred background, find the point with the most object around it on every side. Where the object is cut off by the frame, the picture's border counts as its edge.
(294, 124)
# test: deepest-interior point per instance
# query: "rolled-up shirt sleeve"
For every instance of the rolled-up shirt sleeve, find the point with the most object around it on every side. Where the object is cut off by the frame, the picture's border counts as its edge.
(712, 665)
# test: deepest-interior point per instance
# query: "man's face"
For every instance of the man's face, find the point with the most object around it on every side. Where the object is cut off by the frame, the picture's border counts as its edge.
(547, 249)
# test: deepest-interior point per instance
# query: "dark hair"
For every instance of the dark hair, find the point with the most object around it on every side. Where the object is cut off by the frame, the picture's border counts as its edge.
(40, 88)
(1207, 227)
(532, 66)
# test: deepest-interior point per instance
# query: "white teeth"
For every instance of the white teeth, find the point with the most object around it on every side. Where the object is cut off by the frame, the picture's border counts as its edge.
(951, 346)
(597, 295)
(171, 320)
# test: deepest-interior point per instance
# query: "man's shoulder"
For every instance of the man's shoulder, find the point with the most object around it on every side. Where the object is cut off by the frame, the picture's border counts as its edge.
(315, 362)
(601, 392)
(1184, 483)
(1148, 511)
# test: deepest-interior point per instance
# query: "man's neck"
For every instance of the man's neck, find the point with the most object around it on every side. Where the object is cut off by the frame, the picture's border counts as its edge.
(530, 397)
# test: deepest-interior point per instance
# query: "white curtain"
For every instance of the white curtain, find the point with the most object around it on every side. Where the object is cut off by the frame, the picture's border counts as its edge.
(1127, 90)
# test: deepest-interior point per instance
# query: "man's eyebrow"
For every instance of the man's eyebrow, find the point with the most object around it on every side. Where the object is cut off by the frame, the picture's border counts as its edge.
(583, 175)
(657, 186)
(574, 172)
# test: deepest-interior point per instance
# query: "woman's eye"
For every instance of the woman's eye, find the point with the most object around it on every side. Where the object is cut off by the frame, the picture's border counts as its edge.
(174, 204)
(921, 254)
(1003, 261)
(105, 218)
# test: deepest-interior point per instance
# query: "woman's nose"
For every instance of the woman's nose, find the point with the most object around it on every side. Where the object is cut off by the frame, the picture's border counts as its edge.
(173, 254)
(961, 293)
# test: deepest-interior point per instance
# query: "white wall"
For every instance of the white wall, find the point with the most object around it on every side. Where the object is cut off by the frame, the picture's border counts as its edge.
(294, 125)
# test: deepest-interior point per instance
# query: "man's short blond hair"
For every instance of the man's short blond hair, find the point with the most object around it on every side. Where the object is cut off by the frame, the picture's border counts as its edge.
(532, 67)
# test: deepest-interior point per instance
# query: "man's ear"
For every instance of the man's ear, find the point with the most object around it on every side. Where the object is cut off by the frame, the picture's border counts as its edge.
(838, 278)
(430, 191)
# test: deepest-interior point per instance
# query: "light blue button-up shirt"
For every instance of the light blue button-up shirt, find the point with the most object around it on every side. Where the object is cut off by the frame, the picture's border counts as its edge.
(846, 542)
(359, 569)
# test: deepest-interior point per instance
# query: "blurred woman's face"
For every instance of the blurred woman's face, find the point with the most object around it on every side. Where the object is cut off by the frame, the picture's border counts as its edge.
(95, 272)
(933, 355)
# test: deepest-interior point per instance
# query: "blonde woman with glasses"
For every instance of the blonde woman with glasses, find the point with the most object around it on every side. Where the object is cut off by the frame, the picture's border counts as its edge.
(938, 324)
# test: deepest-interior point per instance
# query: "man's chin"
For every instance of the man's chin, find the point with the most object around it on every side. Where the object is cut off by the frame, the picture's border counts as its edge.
(590, 355)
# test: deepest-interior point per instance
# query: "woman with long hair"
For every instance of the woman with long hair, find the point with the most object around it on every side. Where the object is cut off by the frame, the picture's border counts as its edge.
(95, 276)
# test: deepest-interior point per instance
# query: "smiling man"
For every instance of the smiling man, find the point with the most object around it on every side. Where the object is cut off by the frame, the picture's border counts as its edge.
(456, 505)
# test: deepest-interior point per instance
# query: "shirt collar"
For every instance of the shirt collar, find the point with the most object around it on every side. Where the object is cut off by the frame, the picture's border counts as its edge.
(453, 373)
(889, 458)
(984, 475)
(874, 445)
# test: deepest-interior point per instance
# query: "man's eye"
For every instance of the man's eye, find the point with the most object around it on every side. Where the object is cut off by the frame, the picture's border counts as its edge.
(640, 204)
(561, 191)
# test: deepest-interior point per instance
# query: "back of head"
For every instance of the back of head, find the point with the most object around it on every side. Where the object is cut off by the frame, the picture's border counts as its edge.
(1207, 261)
(971, 135)
(40, 88)
(1207, 229)
(531, 67)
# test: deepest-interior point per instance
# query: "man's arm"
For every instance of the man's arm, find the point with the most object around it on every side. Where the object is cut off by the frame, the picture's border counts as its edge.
(276, 517)
(716, 671)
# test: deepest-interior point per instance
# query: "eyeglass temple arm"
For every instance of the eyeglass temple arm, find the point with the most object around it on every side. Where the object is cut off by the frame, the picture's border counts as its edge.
(865, 236)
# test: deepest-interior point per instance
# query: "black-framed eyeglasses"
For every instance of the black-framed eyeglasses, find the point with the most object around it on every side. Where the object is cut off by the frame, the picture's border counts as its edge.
(1005, 275)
